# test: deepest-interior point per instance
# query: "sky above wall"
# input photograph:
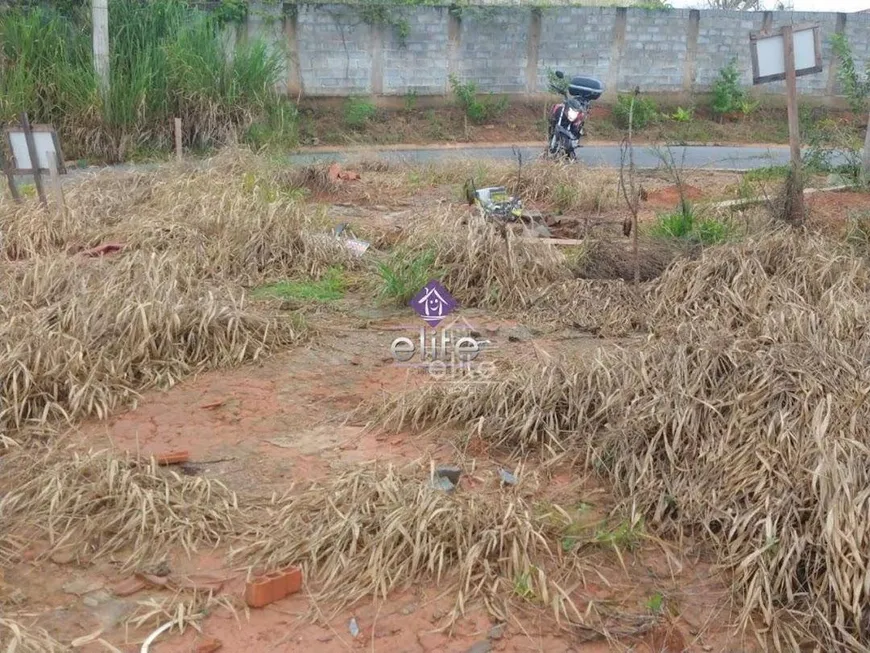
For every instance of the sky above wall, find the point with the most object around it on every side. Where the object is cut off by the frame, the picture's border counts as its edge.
(799, 5)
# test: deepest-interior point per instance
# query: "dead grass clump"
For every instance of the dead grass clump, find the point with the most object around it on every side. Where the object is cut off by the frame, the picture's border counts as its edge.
(483, 265)
(95, 505)
(747, 426)
(370, 531)
(16, 637)
(606, 259)
(757, 442)
(564, 187)
(232, 218)
(606, 308)
(734, 285)
(81, 337)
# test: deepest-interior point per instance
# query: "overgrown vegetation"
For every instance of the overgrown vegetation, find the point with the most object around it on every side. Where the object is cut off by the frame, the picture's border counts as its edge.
(684, 224)
(358, 111)
(728, 95)
(855, 86)
(167, 59)
(645, 111)
(477, 109)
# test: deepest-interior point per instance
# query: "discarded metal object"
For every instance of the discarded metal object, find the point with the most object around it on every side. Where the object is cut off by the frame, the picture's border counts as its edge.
(450, 472)
(507, 477)
(346, 237)
(495, 203)
(442, 483)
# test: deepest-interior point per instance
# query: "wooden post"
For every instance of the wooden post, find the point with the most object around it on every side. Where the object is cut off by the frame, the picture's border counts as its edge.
(794, 139)
(55, 182)
(866, 157)
(178, 150)
(100, 22)
(10, 178)
(34, 159)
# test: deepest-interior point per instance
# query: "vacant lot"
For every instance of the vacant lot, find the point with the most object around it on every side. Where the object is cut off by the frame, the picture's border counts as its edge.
(677, 465)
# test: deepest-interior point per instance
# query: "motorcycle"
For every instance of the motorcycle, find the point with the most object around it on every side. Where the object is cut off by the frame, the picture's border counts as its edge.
(567, 120)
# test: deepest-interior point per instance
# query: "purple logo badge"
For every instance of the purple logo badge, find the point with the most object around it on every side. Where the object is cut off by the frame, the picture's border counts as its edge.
(433, 303)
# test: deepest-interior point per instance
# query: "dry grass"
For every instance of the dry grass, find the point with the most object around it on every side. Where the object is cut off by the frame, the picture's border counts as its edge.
(234, 218)
(607, 308)
(608, 259)
(373, 530)
(82, 337)
(565, 187)
(96, 505)
(483, 265)
(747, 426)
(17, 638)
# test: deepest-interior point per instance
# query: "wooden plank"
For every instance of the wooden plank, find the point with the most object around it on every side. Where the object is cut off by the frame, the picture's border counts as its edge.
(55, 183)
(752, 201)
(178, 150)
(794, 139)
(34, 159)
(564, 242)
(866, 157)
(10, 178)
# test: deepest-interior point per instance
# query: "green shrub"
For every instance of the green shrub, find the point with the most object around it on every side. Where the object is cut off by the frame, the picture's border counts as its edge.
(358, 111)
(683, 224)
(476, 109)
(683, 115)
(404, 274)
(856, 89)
(645, 111)
(728, 95)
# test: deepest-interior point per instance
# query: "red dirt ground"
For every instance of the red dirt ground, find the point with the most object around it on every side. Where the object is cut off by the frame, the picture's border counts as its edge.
(280, 421)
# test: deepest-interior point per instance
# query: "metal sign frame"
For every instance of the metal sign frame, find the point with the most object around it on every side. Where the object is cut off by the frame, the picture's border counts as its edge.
(23, 130)
(754, 37)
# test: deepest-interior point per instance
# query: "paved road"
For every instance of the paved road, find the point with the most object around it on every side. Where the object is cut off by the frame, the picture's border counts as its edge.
(692, 156)
(710, 157)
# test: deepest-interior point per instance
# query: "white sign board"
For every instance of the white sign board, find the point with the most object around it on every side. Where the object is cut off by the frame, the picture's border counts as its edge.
(768, 53)
(45, 140)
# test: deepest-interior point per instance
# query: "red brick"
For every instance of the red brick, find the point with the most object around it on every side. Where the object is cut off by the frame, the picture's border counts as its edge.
(208, 645)
(172, 457)
(263, 590)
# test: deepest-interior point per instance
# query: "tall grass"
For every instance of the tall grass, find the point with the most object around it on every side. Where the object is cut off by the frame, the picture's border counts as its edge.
(167, 59)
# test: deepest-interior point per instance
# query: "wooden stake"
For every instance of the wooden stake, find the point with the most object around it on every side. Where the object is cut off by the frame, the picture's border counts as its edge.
(178, 152)
(794, 139)
(866, 158)
(7, 170)
(34, 160)
(55, 182)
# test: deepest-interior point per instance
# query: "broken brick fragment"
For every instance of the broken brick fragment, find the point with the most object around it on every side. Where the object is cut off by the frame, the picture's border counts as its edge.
(208, 645)
(102, 250)
(128, 586)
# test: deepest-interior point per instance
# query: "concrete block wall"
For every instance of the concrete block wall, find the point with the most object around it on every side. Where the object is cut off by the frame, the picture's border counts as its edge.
(419, 62)
(577, 40)
(508, 48)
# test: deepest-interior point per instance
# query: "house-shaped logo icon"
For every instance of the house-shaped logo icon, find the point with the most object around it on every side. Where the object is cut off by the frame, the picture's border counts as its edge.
(433, 303)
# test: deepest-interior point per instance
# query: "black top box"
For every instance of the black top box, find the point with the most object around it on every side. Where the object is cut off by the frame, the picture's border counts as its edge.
(585, 88)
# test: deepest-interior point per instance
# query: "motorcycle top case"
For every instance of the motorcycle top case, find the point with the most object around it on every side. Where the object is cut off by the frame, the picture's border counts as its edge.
(585, 88)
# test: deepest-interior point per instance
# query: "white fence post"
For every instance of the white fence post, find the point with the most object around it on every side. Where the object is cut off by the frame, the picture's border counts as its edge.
(100, 21)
